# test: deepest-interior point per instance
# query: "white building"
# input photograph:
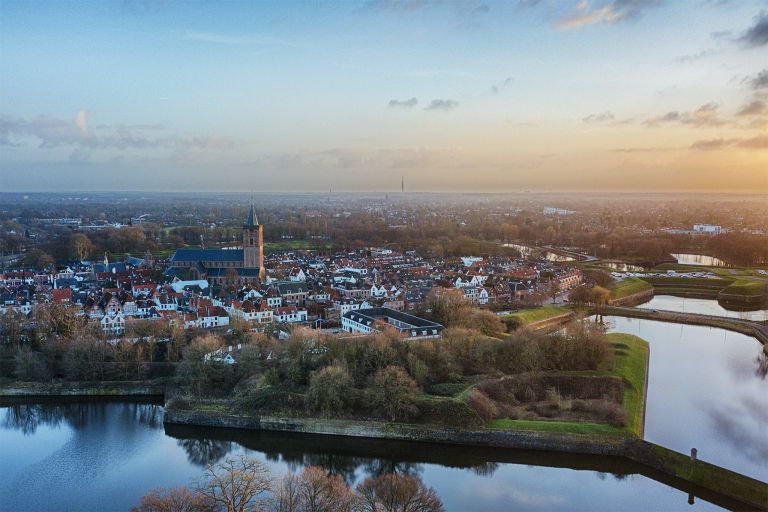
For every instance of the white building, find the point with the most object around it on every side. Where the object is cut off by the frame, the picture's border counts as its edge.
(709, 229)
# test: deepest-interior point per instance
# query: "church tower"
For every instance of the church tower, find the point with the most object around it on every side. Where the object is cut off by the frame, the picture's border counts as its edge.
(253, 243)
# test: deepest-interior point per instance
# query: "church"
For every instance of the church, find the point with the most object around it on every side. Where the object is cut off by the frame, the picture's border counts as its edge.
(220, 266)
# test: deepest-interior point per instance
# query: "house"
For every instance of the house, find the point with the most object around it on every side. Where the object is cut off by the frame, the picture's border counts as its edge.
(290, 314)
(212, 316)
(366, 321)
(113, 324)
(293, 293)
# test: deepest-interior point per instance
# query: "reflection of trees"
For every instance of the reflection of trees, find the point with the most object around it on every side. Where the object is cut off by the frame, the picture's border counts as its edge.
(486, 469)
(205, 451)
(28, 417)
(379, 467)
(762, 365)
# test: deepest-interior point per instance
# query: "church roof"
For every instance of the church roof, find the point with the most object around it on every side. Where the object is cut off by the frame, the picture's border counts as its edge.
(206, 255)
(251, 221)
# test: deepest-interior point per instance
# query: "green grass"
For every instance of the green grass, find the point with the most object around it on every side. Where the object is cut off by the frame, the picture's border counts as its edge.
(746, 287)
(630, 286)
(630, 364)
(529, 316)
(561, 427)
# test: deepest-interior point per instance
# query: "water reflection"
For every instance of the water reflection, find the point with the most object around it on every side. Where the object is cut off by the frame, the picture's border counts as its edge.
(121, 452)
(701, 306)
(699, 259)
(706, 390)
(27, 418)
(202, 452)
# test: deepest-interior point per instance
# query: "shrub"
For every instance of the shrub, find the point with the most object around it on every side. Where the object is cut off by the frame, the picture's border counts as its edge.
(446, 388)
(610, 412)
(447, 411)
(482, 405)
(329, 390)
(29, 365)
(395, 391)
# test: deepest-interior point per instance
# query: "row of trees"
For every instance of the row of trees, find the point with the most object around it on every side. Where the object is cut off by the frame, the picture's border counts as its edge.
(243, 484)
(380, 375)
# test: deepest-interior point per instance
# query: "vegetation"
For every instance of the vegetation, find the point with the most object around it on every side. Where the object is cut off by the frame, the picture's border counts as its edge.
(529, 316)
(243, 484)
(630, 286)
(631, 356)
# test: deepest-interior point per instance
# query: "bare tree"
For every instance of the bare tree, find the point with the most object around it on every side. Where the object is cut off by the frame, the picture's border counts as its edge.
(176, 499)
(397, 493)
(321, 492)
(236, 485)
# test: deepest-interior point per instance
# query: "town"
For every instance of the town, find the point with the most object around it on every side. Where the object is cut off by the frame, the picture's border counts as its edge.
(211, 288)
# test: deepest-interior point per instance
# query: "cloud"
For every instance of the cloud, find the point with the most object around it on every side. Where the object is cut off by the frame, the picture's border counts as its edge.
(495, 88)
(48, 132)
(705, 115)
(687, 59)
(599, 118)
(757, 35)
(755, 108)
(81, 121)
(607, 12)
(409, 103)
(758, 142)
(445, 105)
(760, 81)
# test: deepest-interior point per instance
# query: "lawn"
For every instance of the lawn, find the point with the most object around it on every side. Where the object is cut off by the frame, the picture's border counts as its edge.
(529, 316)
(629, 286)
(630, 364)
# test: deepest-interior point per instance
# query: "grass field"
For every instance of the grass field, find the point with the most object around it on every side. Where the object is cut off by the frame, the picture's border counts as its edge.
(631, 364)
(629, 286)
(529, 316)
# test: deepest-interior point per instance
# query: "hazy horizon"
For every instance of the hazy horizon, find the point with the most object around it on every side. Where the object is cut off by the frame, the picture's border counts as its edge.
(456, 96)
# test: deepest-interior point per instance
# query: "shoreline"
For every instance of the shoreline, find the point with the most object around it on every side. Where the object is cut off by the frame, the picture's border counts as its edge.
(748, 492)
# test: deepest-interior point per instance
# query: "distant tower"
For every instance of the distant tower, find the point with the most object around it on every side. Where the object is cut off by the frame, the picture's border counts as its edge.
(253, 243)
(402, 184)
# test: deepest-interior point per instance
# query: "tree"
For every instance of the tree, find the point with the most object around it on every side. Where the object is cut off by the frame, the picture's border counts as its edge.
(29, 365)
(329, 390)
(37, 258)
(80, 246)
(395, 392)
(397, 493)
(176, 499)
(236, 485)
(448, 307)
(322, 492)
(486, 322)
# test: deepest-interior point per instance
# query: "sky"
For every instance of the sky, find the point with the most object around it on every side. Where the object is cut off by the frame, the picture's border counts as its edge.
(454, 95)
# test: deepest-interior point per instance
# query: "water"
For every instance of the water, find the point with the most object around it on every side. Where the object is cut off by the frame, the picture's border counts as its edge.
(705, 391)
(699, 259)
(700, 306)
(527, 251)
(105, 455)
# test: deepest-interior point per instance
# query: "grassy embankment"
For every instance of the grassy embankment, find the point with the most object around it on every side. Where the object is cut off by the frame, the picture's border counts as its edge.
(629, 286)
(730, 283)
(530, 316)
(630, 364)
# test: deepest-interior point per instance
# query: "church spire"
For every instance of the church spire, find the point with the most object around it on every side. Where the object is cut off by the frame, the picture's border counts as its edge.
(251, 221)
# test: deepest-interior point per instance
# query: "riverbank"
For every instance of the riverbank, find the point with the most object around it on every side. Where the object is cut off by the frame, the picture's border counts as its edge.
(83, 389)
(757, 330)
(749, 492)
